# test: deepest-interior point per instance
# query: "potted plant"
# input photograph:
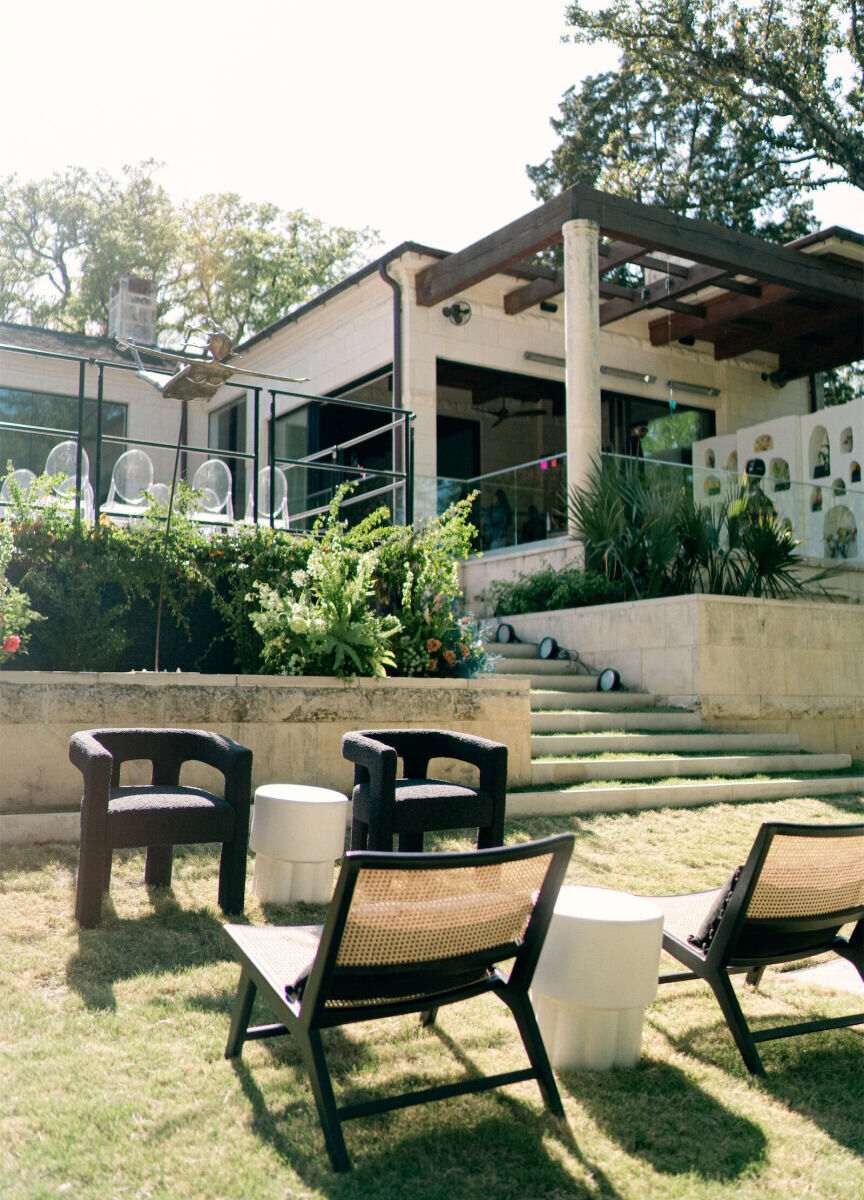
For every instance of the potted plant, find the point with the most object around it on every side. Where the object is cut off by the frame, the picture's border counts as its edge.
(823, 466)
(780, 474)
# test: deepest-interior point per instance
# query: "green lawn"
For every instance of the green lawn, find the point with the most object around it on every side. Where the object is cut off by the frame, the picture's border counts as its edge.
(113, 1082)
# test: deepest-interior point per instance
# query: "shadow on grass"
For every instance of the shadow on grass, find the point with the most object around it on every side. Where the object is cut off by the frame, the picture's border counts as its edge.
(168, 940)
(654, 1112)
(819, 1075)
(485, 1144)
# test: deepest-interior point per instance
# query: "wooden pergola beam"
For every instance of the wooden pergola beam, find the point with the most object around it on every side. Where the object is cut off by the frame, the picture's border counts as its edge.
(721, 311)
(715, 246)
(536, 231)
(787, 328)
(720, 252)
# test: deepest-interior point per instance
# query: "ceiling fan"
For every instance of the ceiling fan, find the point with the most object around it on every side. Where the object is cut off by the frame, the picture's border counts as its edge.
(504, 413)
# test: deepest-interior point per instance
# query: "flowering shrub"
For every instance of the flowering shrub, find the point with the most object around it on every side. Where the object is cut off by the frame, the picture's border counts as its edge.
(371, 600)
(329, 626)
(15, 611)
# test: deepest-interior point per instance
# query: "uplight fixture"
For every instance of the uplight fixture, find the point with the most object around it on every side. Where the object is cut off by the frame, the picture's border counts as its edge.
(622, 373)
(697, 389)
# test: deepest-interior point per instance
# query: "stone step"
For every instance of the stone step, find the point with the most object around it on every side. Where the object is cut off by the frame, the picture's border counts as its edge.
(551, 667)
(512, 650)
(563, 771)
(562, 744)
(560, 683)
(675, 795)
(546, 698)
(584, 722)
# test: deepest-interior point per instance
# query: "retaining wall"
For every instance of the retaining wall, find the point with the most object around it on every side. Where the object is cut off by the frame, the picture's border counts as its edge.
(293, 725)
(753, 665)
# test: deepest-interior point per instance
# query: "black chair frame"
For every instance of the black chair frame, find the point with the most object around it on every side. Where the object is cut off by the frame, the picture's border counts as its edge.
(384, 806)
(396, 987)
(742, 944)
(162, 814)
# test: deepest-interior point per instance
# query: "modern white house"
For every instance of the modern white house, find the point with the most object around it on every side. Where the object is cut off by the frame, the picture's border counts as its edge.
(685, 339)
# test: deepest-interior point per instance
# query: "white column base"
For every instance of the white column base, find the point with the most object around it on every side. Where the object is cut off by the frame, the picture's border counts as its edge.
(276, 881)
(588, 1039)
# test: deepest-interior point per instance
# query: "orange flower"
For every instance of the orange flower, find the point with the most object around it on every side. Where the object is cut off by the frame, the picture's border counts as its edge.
(432, 664)
(432, 645)
(449, 657)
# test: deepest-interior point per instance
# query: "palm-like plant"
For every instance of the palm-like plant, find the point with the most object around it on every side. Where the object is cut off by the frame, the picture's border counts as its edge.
(649, 533)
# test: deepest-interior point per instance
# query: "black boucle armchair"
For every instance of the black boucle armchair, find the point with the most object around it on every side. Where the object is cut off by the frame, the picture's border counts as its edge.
(384, 806)
(161, 814)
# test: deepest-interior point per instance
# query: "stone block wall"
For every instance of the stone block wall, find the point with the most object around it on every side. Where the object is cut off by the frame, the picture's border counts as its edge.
(754, 665)
(293, 725)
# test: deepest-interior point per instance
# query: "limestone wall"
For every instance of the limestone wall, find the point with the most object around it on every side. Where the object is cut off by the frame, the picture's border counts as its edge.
(293, 725)
(760, 665)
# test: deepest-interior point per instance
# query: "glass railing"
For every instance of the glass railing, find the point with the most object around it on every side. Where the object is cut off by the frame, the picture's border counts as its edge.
(527, 503)
(515, 506)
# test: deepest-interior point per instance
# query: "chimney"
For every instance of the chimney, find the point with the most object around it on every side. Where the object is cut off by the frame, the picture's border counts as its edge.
(132, 310)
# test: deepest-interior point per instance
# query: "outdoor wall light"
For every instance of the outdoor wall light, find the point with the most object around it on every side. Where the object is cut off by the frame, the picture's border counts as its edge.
(505, 633)
(622, 373)
(697, 389)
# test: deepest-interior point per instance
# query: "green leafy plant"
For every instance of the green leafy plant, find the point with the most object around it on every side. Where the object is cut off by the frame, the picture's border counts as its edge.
(329, 626)
(551, 588)
(650, 535)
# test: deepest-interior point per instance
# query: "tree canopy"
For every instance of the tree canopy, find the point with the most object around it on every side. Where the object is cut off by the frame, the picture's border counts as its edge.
(730, 110)
(216, 260)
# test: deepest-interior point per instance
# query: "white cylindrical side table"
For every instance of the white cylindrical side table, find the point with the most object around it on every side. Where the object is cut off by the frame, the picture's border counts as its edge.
(597, 971)
(297, 834)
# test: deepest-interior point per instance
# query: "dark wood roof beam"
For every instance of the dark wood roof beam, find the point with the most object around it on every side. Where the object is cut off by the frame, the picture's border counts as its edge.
(537, 230)
(660, 294)
(727, 250)
(532, 293)
(618, 254)
(721, 311)
(797, 360)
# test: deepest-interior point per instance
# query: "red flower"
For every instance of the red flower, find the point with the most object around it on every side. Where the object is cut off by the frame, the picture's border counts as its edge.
(11, 643)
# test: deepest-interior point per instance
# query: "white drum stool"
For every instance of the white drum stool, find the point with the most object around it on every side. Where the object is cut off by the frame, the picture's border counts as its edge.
(597, 971)
(297, 834)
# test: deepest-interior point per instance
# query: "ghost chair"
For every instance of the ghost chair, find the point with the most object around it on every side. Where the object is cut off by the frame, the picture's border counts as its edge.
(405, 933)
(384, 806)
(799, 886)
(131, 481)
(213, 505)
(161, 814)
(275, 506)
(21, 480)
(62, 461)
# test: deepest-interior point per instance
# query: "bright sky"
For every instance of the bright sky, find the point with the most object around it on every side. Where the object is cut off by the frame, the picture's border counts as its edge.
(416, 119)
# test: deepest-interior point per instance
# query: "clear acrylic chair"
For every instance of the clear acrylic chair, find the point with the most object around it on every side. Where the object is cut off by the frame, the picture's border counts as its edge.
(213, 481)
(131, 481)
(62, 461)
(278, 505)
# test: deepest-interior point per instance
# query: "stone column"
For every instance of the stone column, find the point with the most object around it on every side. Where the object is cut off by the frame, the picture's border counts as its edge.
(582, 348)
(419, 389)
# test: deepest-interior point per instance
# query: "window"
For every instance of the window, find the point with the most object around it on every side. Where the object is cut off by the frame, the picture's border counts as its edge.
(49, 410)
(227, 431)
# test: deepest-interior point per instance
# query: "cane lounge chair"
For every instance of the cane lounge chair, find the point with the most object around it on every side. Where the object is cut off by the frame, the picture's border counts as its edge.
(405, 933)
(799, 886)
(384, 806)
(161, 814)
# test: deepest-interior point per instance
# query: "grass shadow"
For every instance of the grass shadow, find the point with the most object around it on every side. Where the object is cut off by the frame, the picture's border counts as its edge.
(819, 1075)
(654, 1112)
(167, 940)
(473, 1149)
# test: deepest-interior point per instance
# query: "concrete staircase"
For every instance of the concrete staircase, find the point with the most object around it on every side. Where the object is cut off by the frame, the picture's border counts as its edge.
(643, 748)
